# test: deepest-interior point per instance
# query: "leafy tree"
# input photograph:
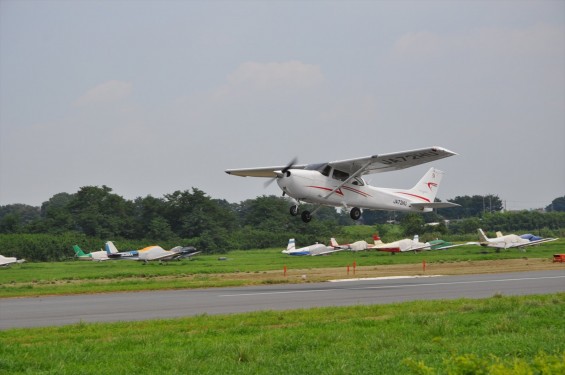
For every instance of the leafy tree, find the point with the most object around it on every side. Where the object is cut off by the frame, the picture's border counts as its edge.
(99, 213)
(475, 205)
(412, 224)
(558, 204)
(14, 217)
(56, 215)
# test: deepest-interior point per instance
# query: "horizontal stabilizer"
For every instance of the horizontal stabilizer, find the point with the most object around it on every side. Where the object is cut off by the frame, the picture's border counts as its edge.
(434, 205)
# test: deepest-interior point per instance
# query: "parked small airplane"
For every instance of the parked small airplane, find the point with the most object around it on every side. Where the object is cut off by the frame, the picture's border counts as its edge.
(511, 240)
(340, 183)
(94, 255)
(150, 253)
(354, 246)
(7, 261)
(397, 246)
(312, 250)
(401, 245)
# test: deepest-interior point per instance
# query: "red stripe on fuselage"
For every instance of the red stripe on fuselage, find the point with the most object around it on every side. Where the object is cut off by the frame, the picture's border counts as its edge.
(356, 191)
(339, 192)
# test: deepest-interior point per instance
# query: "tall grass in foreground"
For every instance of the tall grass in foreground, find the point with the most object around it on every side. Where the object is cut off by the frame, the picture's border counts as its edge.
(502, 335)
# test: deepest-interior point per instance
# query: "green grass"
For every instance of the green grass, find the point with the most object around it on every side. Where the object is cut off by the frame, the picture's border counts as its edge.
(415, 337)
(30, 279)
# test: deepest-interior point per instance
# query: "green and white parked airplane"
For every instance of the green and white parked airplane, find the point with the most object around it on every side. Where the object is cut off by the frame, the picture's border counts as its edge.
(95, 255)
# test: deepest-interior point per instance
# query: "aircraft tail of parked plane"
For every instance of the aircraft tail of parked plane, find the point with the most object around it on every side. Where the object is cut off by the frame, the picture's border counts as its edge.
(95, 255)
(78, 251)
(291, 245)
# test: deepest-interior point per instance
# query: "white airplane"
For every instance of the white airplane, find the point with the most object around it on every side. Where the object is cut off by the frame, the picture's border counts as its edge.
(150, 253)
(511, 240)
(401, 245)
(340, 183)
(7, 261)
(312, 250)
(397, 246)
(354, 246)
(94, 255)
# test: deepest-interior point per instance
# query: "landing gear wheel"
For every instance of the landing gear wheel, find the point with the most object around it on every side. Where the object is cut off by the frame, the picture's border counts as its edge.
(294, 210)
(306, 216)
(355, 213)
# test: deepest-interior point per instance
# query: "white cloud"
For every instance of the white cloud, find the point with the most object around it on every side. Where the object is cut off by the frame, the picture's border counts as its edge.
(539, 41)
(107, 92)
(274, 76)
(421, 44)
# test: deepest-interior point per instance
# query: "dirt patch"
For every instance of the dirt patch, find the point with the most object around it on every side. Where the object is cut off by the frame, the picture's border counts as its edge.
(453, 268)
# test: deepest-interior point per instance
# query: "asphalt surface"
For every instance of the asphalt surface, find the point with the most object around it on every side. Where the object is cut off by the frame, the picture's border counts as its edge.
(112, 307)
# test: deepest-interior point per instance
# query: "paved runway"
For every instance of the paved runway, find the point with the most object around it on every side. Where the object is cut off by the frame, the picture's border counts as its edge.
(111, 307)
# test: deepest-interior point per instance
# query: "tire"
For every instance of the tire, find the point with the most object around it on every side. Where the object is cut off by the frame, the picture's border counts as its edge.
(294, 210)
(355, 213)
(306, 216)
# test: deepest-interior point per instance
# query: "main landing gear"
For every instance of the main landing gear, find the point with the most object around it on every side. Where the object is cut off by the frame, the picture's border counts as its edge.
(355, 213)
(306, 216)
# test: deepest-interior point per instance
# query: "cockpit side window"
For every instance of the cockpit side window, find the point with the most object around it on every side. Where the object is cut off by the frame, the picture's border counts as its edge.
(326, 171)
(340, 175)
(358, 181)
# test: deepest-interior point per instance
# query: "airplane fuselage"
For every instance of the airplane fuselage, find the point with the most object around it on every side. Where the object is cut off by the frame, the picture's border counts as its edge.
(312, 187)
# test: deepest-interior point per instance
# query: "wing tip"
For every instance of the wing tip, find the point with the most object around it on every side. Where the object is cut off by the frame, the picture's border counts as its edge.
(445, 150)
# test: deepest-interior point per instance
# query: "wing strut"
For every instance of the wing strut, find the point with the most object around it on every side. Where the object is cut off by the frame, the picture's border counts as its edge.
(357, 173)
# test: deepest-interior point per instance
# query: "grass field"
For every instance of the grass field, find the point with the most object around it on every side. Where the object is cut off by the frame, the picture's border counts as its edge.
(514, 334)
(259, 267)
(498, 335)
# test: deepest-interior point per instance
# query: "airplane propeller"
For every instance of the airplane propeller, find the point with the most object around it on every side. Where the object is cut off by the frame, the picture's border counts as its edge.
(283, 172)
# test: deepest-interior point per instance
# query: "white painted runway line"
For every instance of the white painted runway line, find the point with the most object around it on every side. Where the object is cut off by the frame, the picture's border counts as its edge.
(393, 286)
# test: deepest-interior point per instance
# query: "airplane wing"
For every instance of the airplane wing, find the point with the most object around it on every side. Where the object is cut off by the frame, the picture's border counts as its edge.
(434, 205)
(423, 246)
(329, 251)
(455, 245)
(262, 171)
(391, 162)
(361, 166)
(531, 243)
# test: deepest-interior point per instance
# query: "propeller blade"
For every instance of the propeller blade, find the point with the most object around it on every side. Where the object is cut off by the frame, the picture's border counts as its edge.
(289, 165)
(282, 172)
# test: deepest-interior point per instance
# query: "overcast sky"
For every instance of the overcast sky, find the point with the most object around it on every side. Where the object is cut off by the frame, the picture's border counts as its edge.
(150, 97)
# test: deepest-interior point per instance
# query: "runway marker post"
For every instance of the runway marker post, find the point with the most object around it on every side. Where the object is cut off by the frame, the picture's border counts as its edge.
(354, 266)
(284, 270)
(424, 265)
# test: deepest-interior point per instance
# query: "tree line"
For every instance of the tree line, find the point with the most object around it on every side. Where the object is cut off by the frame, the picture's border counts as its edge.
(191, 217)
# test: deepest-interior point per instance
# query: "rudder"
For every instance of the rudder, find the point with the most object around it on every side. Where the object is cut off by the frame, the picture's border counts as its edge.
(428, 185)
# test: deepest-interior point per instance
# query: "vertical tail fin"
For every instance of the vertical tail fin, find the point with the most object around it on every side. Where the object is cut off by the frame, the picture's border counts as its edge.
(416, 238)
(377, 239)
(78, 251)
(499, 234)
(333, 242)
(482, 236)
(291, 245)
(110, 248)
(426, 189)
